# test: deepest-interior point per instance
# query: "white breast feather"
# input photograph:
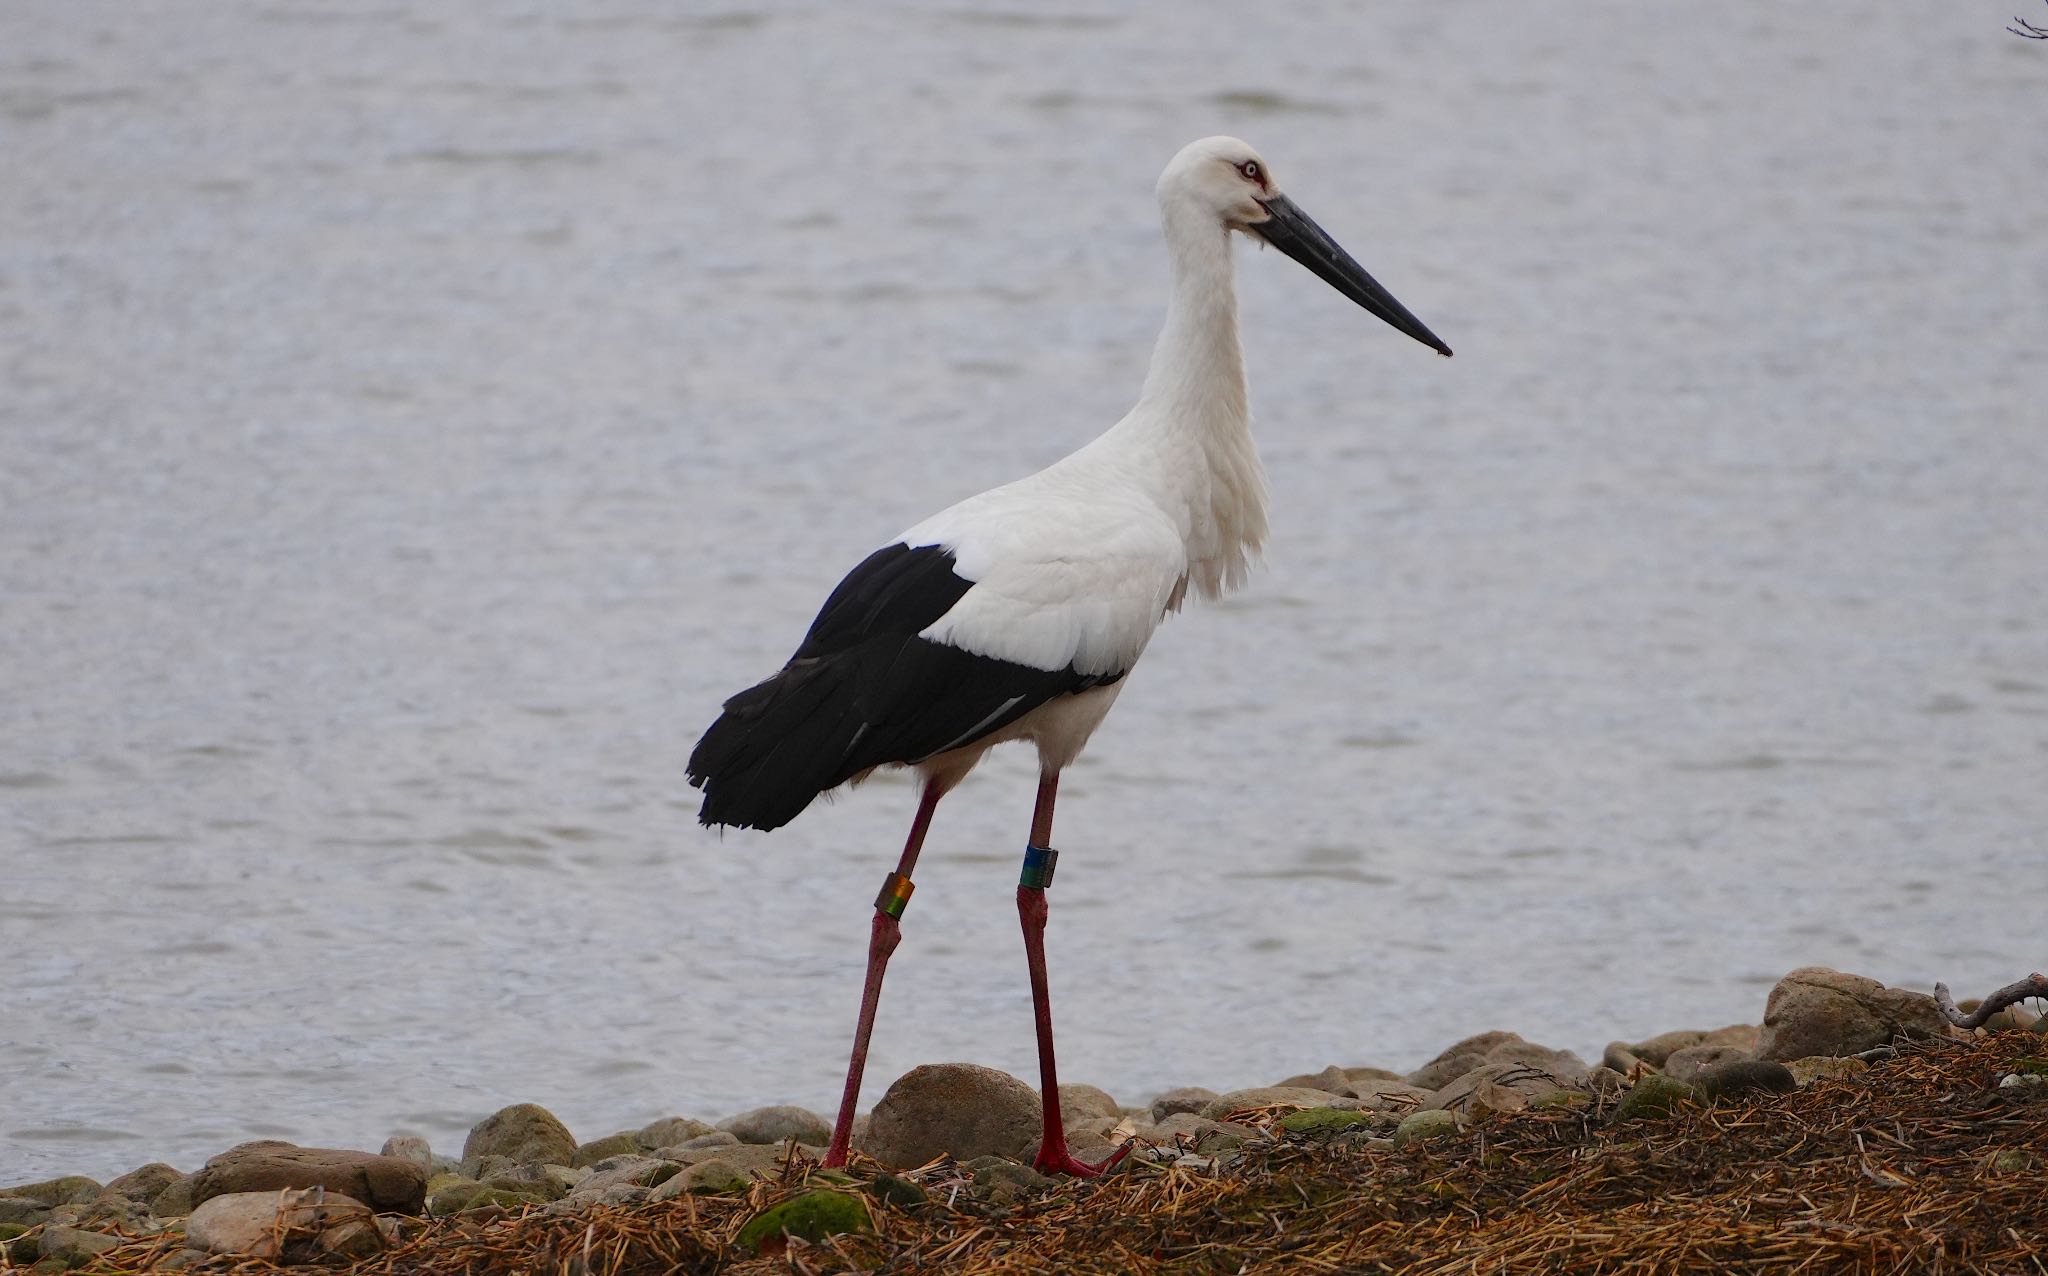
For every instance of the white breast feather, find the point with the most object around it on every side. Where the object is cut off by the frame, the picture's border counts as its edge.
(1068, 570)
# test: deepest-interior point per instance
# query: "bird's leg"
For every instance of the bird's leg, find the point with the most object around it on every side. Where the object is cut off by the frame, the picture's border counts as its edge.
(1039, 859)
(883, 936)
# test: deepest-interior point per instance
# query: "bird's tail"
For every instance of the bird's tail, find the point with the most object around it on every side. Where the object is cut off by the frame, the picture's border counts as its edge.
(778, 745)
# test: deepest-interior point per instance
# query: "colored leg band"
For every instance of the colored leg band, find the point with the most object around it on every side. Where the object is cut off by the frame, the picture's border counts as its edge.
(895, 895)
(1039, 861)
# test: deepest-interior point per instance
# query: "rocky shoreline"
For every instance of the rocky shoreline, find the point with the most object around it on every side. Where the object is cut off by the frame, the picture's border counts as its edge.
(975, 1126)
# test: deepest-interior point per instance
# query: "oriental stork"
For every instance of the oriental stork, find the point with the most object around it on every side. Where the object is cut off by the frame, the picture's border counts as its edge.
(1015, 614)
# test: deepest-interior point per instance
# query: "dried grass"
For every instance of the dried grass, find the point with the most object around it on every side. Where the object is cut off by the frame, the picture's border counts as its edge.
(1884, 1172)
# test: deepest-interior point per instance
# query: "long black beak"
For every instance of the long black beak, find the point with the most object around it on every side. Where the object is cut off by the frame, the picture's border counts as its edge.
(1295, 233)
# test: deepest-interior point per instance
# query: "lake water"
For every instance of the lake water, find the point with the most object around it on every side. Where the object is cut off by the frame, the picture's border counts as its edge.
(414, 419)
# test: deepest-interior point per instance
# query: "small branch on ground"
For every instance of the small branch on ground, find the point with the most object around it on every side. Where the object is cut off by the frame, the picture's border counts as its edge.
(2034, 985)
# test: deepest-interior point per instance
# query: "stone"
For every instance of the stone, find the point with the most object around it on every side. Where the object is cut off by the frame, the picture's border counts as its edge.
(762, 1159)
(669, 1131)
(1272, 1096)
(175, 1201)
(467, 1194)
(1818, 1011)
(1198, 1133)
(1604, 1082)
(409, 1147)
(1823, 1067)
(73, 1246)
(611, 1145)
(774, 1124)
(1507, 1086)
(1652, 1098)
(812, 1216)
(1374, 1074)
(144, 1183)
(1657, 1049)
(1743, 1036)
(706, 1178)
(957, 1109)
(1004, 1182)
(23, 1210)
(1333, 1079)
(1187, 1098)
(1323, 1122)
(1619, 1057)
(635, 1170)
(1458, 1059)
(1081, 1102)
(1744, 1076)
(710, 1139)
(1687, 1064)
(384, 1182)
(1423, 1126)
(1389, 1096)
(72, 1189)
(525, 1133)
(286, 1226)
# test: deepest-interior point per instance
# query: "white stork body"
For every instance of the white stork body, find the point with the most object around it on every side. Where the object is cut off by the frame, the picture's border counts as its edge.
(1016, 614)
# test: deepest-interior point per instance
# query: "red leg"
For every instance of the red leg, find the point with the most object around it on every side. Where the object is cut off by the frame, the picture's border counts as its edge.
(1053, 1157)
(883, 937)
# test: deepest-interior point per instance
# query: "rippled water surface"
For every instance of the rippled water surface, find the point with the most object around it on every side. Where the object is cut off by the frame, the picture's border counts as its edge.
(414, 419)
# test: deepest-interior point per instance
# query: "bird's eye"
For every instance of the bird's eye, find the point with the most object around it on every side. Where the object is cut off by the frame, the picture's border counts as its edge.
(1250, 169)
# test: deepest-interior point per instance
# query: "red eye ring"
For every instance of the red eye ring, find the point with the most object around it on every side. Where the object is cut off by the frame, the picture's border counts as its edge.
(1250, 169)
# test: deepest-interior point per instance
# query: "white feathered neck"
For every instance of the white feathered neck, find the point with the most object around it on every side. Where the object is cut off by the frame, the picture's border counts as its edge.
(1189, 438)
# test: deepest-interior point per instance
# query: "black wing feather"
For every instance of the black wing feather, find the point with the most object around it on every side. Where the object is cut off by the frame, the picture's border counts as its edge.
(863, 690)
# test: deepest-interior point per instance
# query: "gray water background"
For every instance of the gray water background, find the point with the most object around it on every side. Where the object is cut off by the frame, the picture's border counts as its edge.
(415, 418)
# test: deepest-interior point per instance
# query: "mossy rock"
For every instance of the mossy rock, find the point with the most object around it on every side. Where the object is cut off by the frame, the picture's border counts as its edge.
(2009, 1161)
(1324, 1121)
(621, 1144)
(72, 1189)
(812, 1216)
(454, 1198)
(1421, 1127)
(1653, 1098)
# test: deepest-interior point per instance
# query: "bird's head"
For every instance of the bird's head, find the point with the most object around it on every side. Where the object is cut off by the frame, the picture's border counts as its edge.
(1225, 179)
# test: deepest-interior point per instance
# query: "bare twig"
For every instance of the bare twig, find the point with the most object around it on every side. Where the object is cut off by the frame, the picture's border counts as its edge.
(2034, 985)
(2028, 31)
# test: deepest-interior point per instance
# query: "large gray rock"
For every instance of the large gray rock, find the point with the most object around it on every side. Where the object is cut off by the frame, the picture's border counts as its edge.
(1187, 1098)
(1818, 1011)
(525, 1133)
(774, 1124)
(959, 1109)
(385, 1182)
(290, 1226)
(1458, 1059)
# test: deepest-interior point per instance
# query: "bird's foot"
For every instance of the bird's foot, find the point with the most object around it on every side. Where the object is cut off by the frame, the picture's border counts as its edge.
(1057, 1160)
